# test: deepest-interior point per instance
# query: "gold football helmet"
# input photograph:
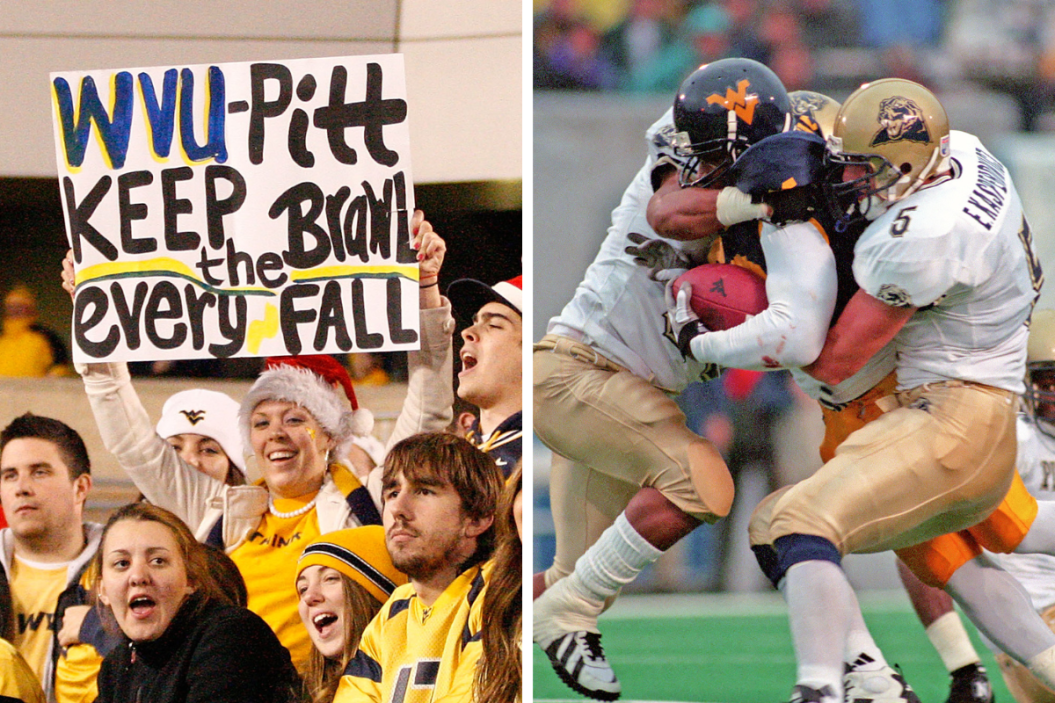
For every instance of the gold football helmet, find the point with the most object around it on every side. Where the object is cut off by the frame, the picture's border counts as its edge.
(813, 112)
(1040, 369)
(899, 130)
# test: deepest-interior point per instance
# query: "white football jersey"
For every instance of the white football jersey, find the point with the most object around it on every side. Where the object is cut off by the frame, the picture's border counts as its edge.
(1036, 465)
(801, 286)
(960, 250)
(617, 309)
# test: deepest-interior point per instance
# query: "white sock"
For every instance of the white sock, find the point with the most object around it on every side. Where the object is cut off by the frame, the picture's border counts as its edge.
(614, 560)
(1043, 667)
(950, 639)
(574, 602)
(820, 611)
(1001, 609)
(860, 647)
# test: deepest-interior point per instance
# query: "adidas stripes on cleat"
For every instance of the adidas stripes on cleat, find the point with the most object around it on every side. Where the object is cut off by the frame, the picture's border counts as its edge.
(880, 684)
(579, 661)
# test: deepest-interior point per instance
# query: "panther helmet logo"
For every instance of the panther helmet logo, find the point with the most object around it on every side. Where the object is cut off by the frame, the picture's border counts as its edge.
(805, 109)
(739, 101)
(193, 416)
(901, 119)
(806, 104)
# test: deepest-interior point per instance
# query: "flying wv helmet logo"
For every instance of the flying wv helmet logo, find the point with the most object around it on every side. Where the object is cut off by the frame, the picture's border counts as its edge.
(901, 120)
(737, 101)
(193, 416)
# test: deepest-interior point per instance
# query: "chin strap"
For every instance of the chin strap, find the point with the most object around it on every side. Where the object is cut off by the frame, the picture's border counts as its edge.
(914, 185)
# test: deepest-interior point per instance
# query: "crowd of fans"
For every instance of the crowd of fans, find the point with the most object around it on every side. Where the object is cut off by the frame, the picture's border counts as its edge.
(352, 570)
(647, 46)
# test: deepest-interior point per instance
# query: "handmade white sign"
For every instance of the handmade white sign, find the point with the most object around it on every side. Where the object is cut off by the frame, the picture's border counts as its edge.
(238, 209)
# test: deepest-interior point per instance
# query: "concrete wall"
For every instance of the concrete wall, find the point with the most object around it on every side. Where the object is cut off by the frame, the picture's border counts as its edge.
(463, 61)
(64, 399)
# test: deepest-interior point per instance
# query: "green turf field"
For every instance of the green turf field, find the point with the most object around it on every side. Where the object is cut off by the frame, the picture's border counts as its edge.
(737, 649)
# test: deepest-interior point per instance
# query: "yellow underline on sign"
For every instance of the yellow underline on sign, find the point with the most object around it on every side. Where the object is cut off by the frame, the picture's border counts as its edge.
(160, 266)
(409, 271)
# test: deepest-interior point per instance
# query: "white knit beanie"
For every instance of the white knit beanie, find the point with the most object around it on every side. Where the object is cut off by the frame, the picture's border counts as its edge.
(207, 413)
(310, 391)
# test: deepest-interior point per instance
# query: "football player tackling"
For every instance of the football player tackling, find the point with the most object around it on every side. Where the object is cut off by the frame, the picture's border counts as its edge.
(947, 275)
(629, 479)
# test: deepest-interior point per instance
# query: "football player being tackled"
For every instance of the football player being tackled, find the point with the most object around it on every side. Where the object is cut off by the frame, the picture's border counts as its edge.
(628, 478)
(951, 286)
(808, 281)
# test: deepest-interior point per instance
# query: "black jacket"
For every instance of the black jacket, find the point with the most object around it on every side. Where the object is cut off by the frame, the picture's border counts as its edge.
(223, 654)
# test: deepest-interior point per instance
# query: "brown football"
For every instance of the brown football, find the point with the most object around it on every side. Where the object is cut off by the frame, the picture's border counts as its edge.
(724, 295)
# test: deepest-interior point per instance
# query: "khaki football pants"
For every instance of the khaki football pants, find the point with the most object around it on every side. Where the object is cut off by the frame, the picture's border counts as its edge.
(614, 433)
(942, 459)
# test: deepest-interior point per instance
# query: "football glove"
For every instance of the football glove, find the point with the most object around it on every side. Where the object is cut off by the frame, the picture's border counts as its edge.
(663, 261)
(684, 323)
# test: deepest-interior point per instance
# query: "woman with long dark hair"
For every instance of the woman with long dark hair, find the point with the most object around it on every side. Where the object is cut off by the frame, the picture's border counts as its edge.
(343, 579)
(499, 675)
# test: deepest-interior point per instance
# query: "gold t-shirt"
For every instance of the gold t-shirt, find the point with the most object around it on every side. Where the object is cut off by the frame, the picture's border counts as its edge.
(35, 590)
(268, 562)
(76, 674)
(18, 682)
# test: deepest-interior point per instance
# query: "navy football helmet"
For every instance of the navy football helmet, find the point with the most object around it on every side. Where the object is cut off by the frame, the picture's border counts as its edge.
(791, 173)
(720, 110)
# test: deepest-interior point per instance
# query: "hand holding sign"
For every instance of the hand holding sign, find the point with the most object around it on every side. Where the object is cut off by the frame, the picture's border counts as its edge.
(67, 272)
(431, 249)
(265, 212)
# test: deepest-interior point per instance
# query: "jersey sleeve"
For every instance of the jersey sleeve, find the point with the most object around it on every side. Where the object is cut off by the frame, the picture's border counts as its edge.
(801, 286)
(910, 258)
(361, 682)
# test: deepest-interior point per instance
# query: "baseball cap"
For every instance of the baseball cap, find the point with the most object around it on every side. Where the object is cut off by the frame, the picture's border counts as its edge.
(468, 295)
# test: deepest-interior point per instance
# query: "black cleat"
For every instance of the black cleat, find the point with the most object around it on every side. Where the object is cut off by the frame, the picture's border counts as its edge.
(970, 684)
(805, 694)
(579, 661)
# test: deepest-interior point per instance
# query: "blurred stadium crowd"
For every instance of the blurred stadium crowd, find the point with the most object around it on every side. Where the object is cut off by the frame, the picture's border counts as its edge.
(645, 46)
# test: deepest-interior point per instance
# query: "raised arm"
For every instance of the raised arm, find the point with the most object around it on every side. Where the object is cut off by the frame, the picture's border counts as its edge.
(430, 384)
(127, 432)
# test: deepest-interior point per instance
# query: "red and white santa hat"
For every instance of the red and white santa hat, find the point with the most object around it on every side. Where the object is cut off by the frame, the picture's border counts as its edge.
(311, 381)
(468, 295)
